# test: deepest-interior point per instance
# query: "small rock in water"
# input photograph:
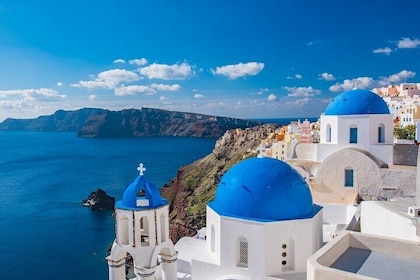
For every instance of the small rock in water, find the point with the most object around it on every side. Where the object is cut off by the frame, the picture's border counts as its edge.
(99, 200)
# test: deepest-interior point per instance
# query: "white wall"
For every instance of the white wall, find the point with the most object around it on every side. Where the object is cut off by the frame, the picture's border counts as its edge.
(334, 213)
(378, 219)
(213, 219)
(367, 134)
(265, 241)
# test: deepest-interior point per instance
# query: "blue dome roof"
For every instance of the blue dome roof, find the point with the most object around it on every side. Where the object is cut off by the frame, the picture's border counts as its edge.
(151, 194)
(357, 102)
(263, 189)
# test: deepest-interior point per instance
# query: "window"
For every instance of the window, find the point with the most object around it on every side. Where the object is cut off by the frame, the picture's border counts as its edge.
(353, 134)
(162, 228)
(243, 252)
(144, 231)
(328, 133)
(381, 133)
(348, 177)
(123, 230)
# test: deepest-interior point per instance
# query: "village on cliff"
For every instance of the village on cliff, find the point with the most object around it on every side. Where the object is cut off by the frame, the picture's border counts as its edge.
(335, 199)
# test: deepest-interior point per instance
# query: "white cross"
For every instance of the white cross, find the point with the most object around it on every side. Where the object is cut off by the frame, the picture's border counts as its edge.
(141, 169)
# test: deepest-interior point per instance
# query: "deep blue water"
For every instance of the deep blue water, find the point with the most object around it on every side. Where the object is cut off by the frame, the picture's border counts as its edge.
(45, 233)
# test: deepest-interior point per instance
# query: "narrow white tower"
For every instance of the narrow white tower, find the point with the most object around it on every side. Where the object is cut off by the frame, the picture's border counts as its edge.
(142, 233)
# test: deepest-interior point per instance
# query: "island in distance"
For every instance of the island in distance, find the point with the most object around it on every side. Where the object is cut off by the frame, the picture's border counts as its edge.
(93, 122)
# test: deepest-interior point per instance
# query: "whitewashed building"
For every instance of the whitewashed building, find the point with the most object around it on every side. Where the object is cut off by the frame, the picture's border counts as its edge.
(142, 232)
(260, 226)
(357, 118)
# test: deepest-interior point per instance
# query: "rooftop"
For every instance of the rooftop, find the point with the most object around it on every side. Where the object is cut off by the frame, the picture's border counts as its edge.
(357, 102)
(354, 255)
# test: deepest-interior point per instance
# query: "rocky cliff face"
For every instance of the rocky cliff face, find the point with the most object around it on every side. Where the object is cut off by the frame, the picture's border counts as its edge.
(59, 121)
(195, 184)
(130, 123)
(156, 122)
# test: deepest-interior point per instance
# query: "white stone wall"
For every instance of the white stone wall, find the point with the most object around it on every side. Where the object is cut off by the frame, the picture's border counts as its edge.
(379, 219)
(367, 134)
(306, 151)
(213, 236)
(333, 122)
(265, 251)
(335, 213)
(370, 181)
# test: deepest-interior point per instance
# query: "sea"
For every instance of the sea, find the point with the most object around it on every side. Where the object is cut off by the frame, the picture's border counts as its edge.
(45, 233)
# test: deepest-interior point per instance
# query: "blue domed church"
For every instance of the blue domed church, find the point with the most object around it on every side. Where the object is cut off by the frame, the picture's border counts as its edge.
(142, 234)
(360, 119)
(262, 224)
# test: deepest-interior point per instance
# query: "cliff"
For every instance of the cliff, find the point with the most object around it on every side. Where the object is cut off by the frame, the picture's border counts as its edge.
(156, 122)
(59, 121)
(130, 123)
(195, 184)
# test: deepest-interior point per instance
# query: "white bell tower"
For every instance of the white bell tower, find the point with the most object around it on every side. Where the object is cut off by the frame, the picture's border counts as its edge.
(142, 234)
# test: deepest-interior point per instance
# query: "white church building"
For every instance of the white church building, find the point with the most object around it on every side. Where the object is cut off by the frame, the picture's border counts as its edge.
(260, 226)
(357, 118)
(142, 233)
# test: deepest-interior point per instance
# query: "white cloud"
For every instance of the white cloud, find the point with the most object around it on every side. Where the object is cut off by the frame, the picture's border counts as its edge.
(296, 76)
(26, 103)
(134, 89)
(239, 70)
(162, 98)
(271, 97)
(59, 84)
(326, 76)
(369, 83)
(385, 50)
(167, 72)
(138, 61)
(262, 90)
(109, 79)
(407, 43)
(92, 97)
(302, 91)
(299, 102)
(197, 96)
(33, 95)
(10, 104)
(361, 83)
(402, 76)
(119, 60)
(163, 87)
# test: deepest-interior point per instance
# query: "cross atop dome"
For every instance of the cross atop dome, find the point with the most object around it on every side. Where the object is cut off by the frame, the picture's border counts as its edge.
(150, 198)
(141, 169)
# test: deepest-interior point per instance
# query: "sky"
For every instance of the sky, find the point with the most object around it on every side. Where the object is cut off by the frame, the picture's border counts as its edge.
(244, 59)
